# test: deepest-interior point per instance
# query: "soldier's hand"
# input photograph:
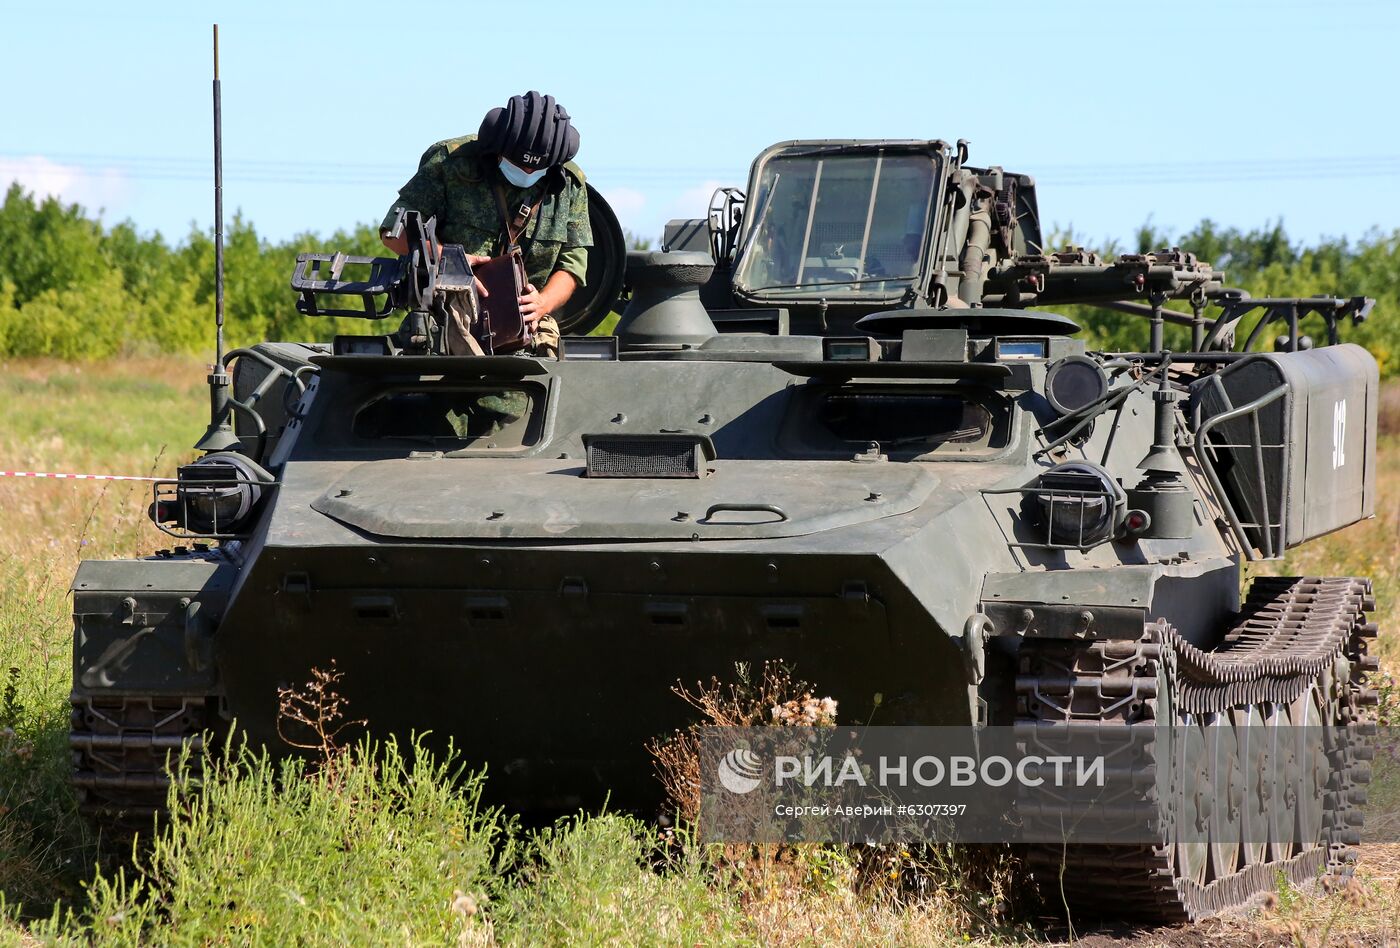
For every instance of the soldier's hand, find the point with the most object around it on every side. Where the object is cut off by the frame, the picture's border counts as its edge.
(531, 306)
(476, 260)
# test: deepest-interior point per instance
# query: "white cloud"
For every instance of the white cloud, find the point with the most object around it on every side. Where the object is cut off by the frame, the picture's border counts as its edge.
(94, 188)
(644, 210)
(627, 203)
(694, 201)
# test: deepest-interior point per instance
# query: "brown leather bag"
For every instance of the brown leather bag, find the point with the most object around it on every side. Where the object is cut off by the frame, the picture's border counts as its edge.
(500, 326)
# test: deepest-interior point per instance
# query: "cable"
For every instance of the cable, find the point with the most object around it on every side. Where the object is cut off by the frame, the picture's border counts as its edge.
(289, 172)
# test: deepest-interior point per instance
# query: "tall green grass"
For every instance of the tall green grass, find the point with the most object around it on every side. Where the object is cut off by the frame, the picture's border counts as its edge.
(389, 847)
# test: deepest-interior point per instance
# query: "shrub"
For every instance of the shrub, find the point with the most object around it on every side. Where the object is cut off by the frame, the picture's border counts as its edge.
(390, 846)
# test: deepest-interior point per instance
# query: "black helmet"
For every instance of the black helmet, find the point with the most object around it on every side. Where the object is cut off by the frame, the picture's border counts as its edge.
(533, 131)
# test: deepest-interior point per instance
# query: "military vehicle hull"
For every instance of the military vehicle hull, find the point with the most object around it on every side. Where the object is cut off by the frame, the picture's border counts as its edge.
(864, 456)
(544, 644)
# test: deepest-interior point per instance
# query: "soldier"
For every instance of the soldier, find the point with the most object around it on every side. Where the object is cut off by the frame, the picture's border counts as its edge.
(510, 185)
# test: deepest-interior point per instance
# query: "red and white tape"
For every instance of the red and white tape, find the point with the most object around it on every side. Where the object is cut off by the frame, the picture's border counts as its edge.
(78, 477)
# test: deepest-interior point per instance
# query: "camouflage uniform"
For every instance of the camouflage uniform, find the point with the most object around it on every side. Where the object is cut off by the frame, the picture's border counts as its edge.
(456, 183)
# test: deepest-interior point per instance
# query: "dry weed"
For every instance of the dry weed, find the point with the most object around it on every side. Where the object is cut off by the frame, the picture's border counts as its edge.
(815, 893)
(317, 709)
(773, 698)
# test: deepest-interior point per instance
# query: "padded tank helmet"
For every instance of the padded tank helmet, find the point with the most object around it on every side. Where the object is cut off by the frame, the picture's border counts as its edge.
(532, 131)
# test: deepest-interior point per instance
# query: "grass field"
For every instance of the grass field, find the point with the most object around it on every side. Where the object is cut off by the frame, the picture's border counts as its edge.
(386, 848)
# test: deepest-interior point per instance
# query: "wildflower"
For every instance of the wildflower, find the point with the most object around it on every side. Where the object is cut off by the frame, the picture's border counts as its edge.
(463, 904)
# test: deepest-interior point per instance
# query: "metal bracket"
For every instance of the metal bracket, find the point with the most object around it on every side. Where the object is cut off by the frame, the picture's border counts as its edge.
(974, 644)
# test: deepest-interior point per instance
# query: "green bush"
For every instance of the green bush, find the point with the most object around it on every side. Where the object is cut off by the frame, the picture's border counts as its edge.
(71, 288)
(1265, 263)
(387, 846)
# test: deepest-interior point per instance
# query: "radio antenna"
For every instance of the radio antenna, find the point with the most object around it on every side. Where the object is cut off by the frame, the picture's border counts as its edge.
(219, 436)
(218, 213)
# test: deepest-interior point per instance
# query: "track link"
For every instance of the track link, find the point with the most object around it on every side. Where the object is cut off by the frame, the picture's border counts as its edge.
(122, 750)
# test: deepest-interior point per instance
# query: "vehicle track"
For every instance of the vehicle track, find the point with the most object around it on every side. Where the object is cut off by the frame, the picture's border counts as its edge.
(1296, 656)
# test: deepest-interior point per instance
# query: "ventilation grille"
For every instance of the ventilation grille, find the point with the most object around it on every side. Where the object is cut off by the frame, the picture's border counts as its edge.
(662, 455)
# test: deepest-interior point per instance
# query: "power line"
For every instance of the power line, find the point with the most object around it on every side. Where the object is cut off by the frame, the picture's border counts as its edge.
(291, 172)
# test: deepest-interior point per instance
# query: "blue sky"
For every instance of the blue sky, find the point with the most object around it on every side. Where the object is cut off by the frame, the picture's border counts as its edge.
(1241, 110)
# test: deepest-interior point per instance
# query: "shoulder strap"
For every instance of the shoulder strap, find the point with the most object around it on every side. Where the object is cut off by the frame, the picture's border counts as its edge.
(515, 221)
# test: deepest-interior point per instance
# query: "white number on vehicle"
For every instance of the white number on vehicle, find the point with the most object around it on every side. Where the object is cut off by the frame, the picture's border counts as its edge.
(1339, 434)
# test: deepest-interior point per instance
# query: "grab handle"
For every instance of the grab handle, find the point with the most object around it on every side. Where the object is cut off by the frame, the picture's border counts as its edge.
(742, 508)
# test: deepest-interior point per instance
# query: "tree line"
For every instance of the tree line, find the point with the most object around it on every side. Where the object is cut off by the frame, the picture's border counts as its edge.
(73, 287)
(1266, 263)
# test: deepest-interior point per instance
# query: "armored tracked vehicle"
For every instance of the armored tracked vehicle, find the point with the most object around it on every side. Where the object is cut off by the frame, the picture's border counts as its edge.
(839, 424)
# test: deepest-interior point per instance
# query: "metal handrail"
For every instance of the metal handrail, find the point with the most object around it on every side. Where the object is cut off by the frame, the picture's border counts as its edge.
(1203, 430)
(246, 406)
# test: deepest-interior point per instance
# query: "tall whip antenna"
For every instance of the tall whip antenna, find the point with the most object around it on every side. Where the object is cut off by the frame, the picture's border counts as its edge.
(218, 215)
(219, 436)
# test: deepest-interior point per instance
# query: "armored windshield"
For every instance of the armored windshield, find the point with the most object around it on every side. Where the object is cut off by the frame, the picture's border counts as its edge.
(837, 223)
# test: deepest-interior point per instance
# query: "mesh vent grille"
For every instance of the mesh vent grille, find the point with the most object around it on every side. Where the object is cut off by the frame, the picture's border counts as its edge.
(643, 457)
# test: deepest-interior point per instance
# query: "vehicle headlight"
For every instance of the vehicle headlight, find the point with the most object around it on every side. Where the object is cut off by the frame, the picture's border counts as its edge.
(1080, 503)
(215, 495)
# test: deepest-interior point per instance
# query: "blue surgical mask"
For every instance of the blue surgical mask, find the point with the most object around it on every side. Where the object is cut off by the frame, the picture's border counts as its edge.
(520, 178)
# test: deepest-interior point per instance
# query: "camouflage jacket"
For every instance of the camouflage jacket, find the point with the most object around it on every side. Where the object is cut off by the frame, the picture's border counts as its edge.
(456, 184)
